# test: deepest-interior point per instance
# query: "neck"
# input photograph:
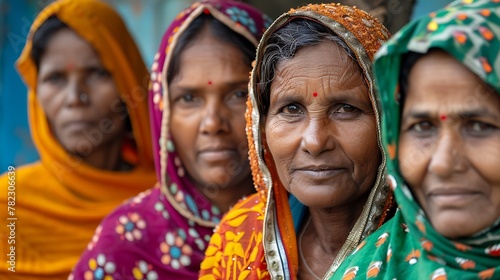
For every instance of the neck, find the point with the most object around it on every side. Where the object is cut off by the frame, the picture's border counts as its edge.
(322, 238)
(225, 197)
(106, 158)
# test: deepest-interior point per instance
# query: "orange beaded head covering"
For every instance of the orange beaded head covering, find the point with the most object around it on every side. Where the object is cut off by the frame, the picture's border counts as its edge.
(364, 35)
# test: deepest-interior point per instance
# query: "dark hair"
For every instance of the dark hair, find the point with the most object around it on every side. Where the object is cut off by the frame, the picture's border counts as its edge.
(284, 44)
(42, 37)
(407, 61)
(219, 30)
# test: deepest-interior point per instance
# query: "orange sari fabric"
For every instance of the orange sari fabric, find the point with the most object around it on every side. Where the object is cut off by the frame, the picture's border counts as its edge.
(59, 200)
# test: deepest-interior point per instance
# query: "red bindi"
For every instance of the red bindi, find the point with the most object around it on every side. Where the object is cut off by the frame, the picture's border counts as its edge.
(443, 117)
(209, 83)
(315, 94)
(70, 66)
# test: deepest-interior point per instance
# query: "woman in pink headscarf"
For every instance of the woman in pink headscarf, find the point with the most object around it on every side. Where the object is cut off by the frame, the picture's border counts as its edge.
(197, 100)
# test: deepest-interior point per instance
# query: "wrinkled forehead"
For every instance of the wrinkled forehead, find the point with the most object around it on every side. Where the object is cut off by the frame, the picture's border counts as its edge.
(361, 33)
(438, 71)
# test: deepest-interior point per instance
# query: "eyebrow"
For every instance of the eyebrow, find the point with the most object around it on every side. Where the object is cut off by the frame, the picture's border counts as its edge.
(287, 99)
(465, 114)
(190, 89)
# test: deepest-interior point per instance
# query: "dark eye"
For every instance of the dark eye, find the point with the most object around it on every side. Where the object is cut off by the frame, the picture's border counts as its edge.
(291, 109)
(97, 75)
(478, 127)
(346, 108)
(100, 73)
(241, 94)
(423, 128)
(346, 111)
(53, 78)
(187, 98)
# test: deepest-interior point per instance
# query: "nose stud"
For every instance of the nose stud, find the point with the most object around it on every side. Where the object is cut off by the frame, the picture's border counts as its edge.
(84, 98)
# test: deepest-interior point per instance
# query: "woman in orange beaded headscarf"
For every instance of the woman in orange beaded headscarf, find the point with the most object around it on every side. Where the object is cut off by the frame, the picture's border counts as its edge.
(313, 128)
(89, 121)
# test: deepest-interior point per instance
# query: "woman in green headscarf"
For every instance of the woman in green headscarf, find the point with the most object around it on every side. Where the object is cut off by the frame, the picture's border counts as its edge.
(439, 85)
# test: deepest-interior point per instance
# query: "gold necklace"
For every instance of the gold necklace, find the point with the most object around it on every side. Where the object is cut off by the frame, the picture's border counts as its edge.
(300, 250)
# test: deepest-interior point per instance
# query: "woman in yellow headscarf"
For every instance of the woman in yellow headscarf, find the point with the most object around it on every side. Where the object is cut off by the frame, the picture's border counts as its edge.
(89, 120)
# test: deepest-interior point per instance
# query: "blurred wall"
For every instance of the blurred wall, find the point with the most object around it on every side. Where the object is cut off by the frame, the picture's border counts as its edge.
(15, 141)
(392, 13)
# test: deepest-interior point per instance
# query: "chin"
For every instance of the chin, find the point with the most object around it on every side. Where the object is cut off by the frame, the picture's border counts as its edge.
(454, 234)
(455, 228)
(316, 201)
(77, 151)
(216, 180)
(77, 147)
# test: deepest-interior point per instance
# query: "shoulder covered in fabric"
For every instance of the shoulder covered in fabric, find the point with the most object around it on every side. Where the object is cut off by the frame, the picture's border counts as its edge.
(235, 249)
(122, 243)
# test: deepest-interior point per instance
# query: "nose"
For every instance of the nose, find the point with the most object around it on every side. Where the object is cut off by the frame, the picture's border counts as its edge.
(215, 119)
(74, 91)
(447, 157)
(318, 137)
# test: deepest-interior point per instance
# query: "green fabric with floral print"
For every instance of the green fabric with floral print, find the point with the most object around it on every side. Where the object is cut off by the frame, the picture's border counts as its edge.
(408, 247)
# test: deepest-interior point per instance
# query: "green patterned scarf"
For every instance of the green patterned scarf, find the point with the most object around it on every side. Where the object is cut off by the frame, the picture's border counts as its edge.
(408, 247)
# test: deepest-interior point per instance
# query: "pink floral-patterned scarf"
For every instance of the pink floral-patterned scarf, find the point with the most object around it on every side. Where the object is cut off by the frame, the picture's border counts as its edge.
(163, 233)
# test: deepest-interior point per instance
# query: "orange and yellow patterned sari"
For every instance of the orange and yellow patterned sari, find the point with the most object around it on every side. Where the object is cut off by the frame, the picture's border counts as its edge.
(257, 237)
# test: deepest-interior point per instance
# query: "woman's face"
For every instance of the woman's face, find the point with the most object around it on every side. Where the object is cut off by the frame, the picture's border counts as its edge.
(207, 99)
(79, 96)
(450, 145)
(321, 128)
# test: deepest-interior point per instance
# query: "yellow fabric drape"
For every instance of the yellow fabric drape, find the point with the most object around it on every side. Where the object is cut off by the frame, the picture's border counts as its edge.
(59, 201)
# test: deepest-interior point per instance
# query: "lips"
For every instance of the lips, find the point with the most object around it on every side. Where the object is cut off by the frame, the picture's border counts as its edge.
(453, 191)
(217, 153)
(452, 195)
(320, 171)
(76, 125)
(318, 168)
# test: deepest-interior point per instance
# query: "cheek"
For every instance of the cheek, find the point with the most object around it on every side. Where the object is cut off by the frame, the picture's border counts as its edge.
(50, 101)
(238, 123)
(283, 139)
(107, 98)
(485, 159)
(359, 142)
(412, 160)
(239, 135)
(184, 137)
(283, 142)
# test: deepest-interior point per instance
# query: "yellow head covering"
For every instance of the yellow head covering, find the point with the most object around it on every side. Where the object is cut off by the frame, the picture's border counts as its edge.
(61, 200)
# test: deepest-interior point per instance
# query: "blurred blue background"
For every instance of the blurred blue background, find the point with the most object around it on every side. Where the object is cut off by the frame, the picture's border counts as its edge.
(146, 19)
